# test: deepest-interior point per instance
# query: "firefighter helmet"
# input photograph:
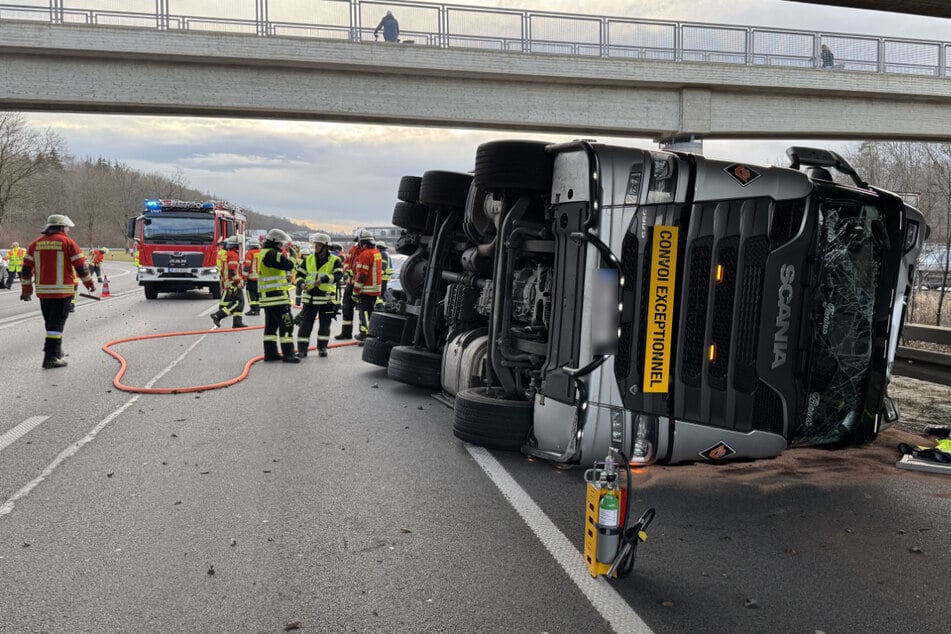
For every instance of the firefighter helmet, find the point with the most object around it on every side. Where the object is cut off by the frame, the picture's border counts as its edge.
(58, 220)
(233, 242)
(254, 244)
(104, 250)
(365, 234)
(276, 235)
(320, 238)
(381, 245)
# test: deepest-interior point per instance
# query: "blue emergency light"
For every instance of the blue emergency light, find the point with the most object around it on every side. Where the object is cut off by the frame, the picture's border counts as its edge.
(153, 205)
(208, 205)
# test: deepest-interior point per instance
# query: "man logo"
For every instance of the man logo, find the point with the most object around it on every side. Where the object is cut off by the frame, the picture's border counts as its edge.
(718, 451)
(742, 174)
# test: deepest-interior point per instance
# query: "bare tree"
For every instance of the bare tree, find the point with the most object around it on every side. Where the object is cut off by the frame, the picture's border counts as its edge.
(24, 153)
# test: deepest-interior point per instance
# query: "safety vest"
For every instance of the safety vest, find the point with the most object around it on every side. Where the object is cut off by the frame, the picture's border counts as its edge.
(232, 269)
(327, 290)
(135, 258)
(387, 266)
(368, 270)
(15, 257)
(272, 282)
(222, 259)
(251, 264)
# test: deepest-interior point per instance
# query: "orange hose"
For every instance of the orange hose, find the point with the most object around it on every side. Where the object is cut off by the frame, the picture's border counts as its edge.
(107, 348)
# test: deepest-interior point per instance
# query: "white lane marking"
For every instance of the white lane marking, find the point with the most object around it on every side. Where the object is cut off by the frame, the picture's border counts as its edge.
(20, 430)
(599, 592)
(84, 303)
(73, 449)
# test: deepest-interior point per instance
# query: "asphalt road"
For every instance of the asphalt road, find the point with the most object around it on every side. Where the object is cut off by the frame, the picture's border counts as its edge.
(326, 497)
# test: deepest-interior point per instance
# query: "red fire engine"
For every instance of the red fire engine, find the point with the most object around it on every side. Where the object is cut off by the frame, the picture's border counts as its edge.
(177, 243)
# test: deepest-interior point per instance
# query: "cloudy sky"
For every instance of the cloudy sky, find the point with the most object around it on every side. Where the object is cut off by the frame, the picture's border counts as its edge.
(340, 176)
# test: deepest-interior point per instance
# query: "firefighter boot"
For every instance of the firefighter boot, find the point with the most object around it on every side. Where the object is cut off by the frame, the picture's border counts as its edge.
(270, 351)
(287, 349)
(302, 347)
(217, 316)
(322, 349)
(238, 322)
(51, 349)
(346, 332)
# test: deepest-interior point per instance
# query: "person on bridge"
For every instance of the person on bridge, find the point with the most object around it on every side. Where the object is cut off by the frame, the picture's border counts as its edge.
(250, 271)
(390, 26)
(273, 267)
(826, 57)
(368, 276)
(57, 261)
(14, 258)
(319, 273)
(232, 286)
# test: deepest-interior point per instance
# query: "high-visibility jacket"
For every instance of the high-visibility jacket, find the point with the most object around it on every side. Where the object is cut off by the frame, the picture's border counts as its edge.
(232, 270)
(54, 261)
(272, 277)
(348, 263)
(250, 268)
(96, 257)
(387, 265)
(220, 263)
(368, 272)
(14, 259)
(309, 270)
(135, 258)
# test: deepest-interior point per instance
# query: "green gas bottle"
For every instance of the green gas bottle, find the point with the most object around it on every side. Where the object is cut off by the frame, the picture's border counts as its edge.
(609, 513)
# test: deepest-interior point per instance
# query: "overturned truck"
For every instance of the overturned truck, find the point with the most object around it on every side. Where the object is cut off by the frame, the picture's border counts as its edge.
(574, 297)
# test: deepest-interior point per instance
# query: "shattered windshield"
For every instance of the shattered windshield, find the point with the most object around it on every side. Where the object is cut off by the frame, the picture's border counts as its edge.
(850, 257)
(179, 229)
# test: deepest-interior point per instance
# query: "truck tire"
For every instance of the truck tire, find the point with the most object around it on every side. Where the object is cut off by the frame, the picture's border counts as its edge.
(377, 352)
(415, 367)
(521, 166)
(494, 423)
(387, 326)
(445, 189)
(408, 191)
(215, 291)
(410, 216)
(151, 290)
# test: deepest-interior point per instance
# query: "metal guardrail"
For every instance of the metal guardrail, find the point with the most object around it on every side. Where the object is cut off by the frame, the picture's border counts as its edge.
(924, 364)
(444, 26)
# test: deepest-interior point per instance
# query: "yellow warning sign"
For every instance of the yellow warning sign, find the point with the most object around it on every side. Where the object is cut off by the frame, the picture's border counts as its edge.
(660, 311)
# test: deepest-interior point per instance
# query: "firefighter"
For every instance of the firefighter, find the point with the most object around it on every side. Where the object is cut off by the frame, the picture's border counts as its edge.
(346, 330)
(220, 263)
(387, 270)
(318, 274)
(250, 271)
(14, 258)
(273, 267)
(57, 261)
(96, 256)
(232, 286)
(367, 278)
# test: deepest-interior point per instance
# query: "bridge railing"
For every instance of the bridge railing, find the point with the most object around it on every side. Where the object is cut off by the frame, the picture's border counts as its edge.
(448, 25)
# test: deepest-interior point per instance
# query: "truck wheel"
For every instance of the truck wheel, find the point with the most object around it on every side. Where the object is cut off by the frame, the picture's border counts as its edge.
(513, 165)
(410, 216)
(215, 291)
(387, 326)
(445, 189)
(493, 423)
(408, 191)
(415, 367)
(151, 290)
(377, 351)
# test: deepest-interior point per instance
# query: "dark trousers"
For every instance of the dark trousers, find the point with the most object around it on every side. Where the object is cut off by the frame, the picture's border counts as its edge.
(367, 302)
(55, 312)
(348, 306)
(253, 297)
(278, 324)
(324, 314)
(11, 275)
(232, 302)
(96, 270)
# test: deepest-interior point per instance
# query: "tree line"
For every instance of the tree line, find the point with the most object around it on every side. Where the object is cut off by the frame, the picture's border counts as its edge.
(39, 177)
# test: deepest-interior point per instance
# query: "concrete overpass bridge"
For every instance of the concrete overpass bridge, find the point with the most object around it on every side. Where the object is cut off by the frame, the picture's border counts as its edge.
(717, 81)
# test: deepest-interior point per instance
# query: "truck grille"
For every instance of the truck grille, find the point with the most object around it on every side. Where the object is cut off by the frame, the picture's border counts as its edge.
(696, 291)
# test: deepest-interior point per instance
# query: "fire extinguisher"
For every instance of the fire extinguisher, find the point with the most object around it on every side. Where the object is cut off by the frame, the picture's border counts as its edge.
(609, 520)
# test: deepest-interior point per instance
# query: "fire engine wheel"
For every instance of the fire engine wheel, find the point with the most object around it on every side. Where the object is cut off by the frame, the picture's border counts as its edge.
(421, 368)
(490, 422)
(377, 351)
(409, 189)
(215, 291)
(410, 216)
(151, 290)
(522, 166)
(445, 189)
(387, 326)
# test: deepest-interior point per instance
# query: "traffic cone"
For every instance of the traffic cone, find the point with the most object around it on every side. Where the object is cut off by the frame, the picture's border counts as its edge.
(105, 287)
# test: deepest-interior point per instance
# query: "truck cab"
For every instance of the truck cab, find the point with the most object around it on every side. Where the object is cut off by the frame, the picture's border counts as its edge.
(670, 306)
